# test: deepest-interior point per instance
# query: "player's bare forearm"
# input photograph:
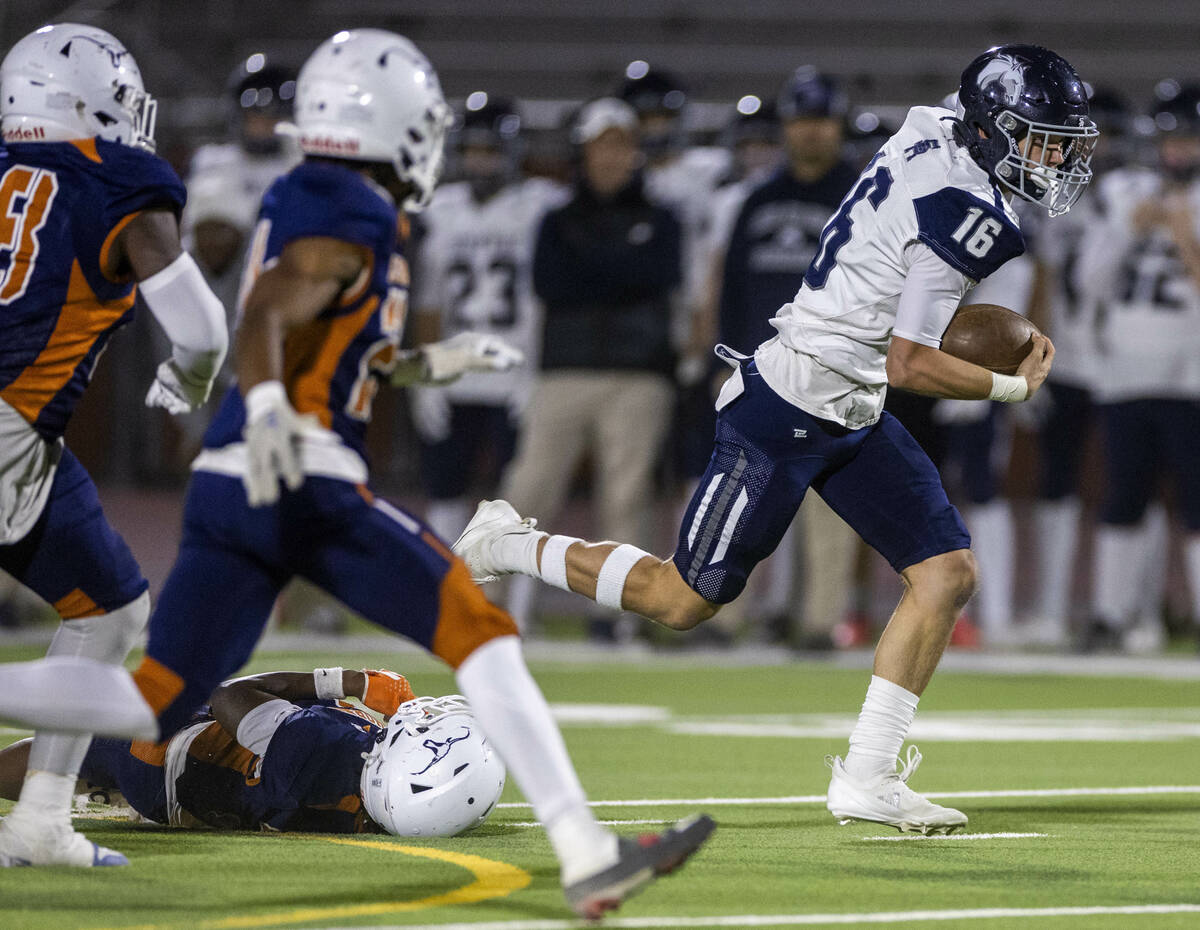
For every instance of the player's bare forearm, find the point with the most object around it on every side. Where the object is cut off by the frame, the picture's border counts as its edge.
(234, 699)
(925, 370)
(147, 244)
(310, 275)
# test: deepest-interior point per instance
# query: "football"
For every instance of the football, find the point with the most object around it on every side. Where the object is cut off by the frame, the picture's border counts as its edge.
(988, 335)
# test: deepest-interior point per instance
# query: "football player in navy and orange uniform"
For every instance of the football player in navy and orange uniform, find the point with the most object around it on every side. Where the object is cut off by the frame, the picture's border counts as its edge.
(87, 211)
(320, 328)
(268, 754)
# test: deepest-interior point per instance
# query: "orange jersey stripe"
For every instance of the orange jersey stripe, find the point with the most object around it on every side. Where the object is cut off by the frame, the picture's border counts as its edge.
(466, 619)
(77, 604)
(311, 355)
(150, 753)
(88, 148)
(80, 322)
(106, 246)
(216, 747)
(158, 684)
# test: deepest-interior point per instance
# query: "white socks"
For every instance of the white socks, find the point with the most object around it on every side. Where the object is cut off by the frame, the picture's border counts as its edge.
(886, 715)
(1058, 539)
(514, 715)
(517, 552)
(1119, 567)
(553, 567)
(75, 696)
(992, 539)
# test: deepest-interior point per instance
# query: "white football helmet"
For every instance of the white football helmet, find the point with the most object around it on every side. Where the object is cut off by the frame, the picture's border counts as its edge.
(69, 81)
(370, 95)
(432, 772)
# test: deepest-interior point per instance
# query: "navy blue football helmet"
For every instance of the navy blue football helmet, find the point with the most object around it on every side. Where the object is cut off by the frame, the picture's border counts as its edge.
(809, 93)
(488, 122)
(1014, 100)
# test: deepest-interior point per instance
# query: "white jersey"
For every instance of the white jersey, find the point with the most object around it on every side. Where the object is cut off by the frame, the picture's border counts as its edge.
(225, 182)
(923, 224)
(1148, 304)
(1071, 320)
(685, 185)
(474, 268)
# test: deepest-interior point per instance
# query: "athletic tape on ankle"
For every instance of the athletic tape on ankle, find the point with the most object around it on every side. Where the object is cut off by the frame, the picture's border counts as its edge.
(610, 583)
(554, 560)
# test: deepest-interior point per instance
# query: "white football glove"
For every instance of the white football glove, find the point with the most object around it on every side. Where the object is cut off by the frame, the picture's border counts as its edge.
(272, 435)
(176, 390)
(452, 358)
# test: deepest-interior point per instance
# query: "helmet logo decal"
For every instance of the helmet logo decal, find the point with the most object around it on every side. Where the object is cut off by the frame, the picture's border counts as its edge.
(441, 748)
(1004, 72)
(115, 52)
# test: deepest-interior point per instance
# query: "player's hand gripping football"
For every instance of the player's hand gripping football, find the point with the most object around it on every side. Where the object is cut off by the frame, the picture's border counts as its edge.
(1036, 365)
(272, 435)
(386, 691)
(452, 358)
(176, 390)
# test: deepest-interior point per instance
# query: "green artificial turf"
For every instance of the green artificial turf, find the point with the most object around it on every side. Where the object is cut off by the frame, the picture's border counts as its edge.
(765, 859)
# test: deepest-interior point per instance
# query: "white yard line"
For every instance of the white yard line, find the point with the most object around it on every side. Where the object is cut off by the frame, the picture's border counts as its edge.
(812, 920)
(607, 823)
(953, 836)
(820, 798)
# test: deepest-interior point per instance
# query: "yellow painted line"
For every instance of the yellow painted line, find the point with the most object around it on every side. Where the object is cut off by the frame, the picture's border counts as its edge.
(493, 879)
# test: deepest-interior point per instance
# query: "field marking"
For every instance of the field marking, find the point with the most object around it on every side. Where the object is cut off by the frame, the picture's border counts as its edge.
(607, 823)
(952, 836)
(492, 879)
(820, 798)
(810, 920)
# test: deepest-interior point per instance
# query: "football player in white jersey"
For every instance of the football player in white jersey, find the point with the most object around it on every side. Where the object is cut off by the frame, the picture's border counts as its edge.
(473, 274)
(1141, 265)
(928, 218)
(1067, 415)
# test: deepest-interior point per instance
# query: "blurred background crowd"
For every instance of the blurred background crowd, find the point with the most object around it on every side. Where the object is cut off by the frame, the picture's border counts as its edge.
(629, 183)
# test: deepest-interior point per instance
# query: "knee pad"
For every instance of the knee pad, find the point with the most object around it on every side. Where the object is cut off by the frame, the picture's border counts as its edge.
(105, 637)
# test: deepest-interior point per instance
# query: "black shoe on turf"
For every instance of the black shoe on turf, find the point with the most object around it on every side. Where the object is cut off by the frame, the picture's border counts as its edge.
(639, 861)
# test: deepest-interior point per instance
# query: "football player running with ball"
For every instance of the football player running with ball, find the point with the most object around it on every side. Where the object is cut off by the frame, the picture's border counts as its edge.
(88, 213)
(928, 218)
(320, 328)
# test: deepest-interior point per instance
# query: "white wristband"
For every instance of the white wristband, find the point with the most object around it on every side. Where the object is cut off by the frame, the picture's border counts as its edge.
(1009, 389)
(327, 682)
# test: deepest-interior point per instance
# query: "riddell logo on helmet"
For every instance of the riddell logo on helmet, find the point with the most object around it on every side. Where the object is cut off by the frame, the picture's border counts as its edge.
(29, 134)
(329, 145)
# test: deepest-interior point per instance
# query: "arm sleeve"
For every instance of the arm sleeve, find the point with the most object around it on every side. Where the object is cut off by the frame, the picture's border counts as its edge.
(190, 314)
(259, 725)
(931, 294)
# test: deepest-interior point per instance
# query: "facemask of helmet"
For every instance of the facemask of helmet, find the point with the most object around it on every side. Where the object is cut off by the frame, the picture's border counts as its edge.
(261, 93)
(432, 772)
(1022, 115)
(69, 81)
(487, 144)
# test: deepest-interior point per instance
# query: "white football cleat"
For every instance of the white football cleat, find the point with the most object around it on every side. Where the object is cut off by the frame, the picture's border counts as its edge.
(26, 845)
(888, 800)
(492, 520)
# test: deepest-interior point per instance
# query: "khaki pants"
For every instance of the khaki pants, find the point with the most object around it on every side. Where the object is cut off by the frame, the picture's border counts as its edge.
(621, 418)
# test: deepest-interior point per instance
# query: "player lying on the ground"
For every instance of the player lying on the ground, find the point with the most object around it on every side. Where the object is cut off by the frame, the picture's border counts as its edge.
(269, 754)
(929, 217)
(281, 488)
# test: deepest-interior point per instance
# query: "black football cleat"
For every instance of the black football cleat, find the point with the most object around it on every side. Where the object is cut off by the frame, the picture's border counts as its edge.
(639, 862)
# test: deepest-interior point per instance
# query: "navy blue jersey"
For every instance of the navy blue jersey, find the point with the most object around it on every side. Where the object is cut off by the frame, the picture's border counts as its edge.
(774, 239)
(62, 205)
(307, 780)
(331, 364)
